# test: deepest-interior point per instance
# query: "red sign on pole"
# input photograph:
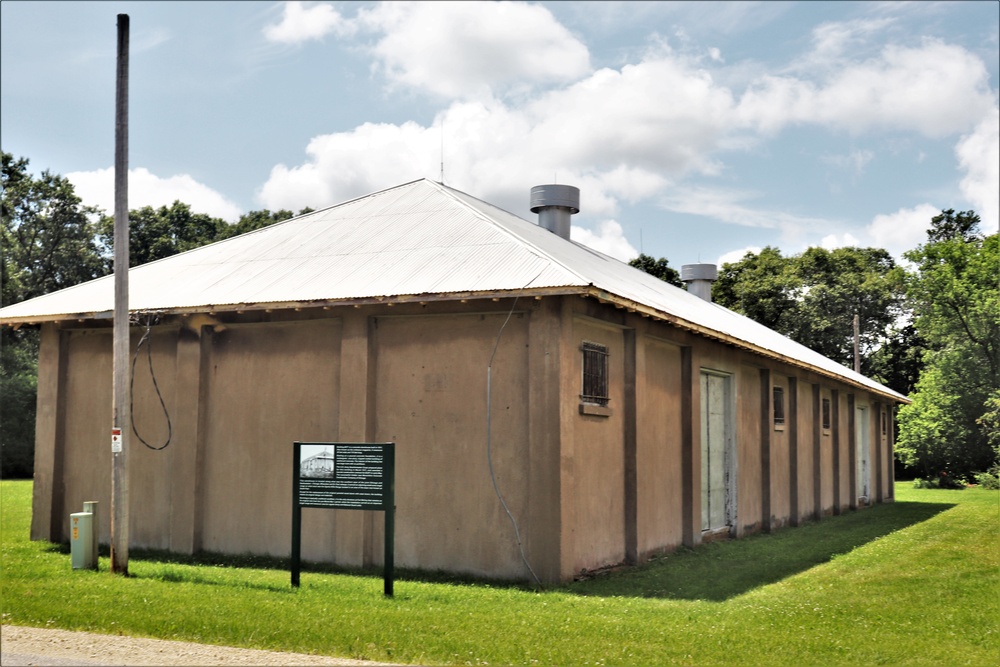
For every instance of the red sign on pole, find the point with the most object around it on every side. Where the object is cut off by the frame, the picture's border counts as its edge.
(116, 440)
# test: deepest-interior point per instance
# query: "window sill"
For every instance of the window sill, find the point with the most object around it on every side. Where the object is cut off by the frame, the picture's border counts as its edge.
(779, 427)
(595, 410)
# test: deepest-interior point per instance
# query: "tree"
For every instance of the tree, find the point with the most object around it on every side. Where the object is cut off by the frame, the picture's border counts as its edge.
(956, 300)
(763, 286)
(836, 286)
(158, 233)
(48, 235)
(48, 243)
(254, 220)
(812, 298)
(659, 268)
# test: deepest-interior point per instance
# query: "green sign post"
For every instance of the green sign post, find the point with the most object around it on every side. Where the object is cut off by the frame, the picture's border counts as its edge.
(344, 475)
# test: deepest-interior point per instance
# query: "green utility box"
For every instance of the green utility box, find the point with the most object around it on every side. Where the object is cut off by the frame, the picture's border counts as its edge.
(81, 541)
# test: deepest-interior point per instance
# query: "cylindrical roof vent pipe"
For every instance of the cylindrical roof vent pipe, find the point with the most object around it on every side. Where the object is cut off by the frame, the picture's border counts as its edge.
(699, 279)
(554, 205)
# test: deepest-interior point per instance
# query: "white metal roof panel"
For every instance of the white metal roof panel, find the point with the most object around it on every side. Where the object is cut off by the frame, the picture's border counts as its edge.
(414, 239)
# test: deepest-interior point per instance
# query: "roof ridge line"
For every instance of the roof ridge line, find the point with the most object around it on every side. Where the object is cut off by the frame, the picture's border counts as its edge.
(449, 191)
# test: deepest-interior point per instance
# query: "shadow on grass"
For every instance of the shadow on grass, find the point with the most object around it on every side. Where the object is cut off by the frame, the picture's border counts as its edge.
(714, 572)
(721, 570)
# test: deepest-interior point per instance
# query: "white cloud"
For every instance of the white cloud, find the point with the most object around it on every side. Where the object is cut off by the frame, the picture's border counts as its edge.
(900, 231)
(855, 161)
(473, 49)
(609, 239)
(734, 256)
(935, 89)
(979, 156)
(300, 23)
(97, 188)
(834, 241)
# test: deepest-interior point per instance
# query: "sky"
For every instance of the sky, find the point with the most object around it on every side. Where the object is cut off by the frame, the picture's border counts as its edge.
(696, 131)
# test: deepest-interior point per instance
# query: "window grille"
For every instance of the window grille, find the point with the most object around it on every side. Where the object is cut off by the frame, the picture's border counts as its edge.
(779, 406)
(826, 413)
(595, 374)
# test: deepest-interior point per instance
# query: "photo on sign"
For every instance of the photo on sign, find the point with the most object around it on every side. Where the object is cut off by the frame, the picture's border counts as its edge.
(318, 462)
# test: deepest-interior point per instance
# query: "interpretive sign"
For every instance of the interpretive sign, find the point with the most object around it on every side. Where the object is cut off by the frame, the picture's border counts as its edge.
(344, 475)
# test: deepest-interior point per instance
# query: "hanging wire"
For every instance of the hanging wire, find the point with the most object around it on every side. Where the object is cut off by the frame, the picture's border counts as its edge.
(489, 444)
(148, 342)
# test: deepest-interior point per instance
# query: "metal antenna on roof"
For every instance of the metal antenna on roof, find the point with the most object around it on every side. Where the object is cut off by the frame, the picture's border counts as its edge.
(442, 150)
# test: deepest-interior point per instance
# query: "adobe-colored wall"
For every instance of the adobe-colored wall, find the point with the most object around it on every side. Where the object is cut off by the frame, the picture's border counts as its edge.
(593, 475)
(658, 447)
(430, 383)
(587, 490)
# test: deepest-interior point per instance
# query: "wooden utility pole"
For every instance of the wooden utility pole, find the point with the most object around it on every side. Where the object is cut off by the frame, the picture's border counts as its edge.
(857, 344)
(121, 422)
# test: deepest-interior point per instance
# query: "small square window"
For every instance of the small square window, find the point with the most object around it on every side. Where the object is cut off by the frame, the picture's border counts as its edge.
(595, 374)
(779, 406)
(826, 414)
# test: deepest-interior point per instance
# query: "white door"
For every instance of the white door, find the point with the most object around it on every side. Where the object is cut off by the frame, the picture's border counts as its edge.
(862, 436)
(716, 452)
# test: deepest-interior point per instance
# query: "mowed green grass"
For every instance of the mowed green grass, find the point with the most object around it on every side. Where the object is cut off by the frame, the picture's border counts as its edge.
(915, 582)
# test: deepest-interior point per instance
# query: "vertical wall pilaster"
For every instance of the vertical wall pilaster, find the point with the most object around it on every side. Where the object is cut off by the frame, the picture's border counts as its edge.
(354, 531)
(630, 444)
(48, 487)
(852, 453)
(835, 427)
(690, 454)
(191, 397)
(792, 428)
(766, 395)
(543, 528)
(817, 476)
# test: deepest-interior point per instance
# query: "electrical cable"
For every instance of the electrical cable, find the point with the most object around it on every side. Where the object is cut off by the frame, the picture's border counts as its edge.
(489, 443)
(152, 374)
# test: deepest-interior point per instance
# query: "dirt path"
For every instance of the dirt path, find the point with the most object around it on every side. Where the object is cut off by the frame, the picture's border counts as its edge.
(21, 646)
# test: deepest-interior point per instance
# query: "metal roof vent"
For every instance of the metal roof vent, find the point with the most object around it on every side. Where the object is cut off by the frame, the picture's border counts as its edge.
(699, 279)
(554, 204)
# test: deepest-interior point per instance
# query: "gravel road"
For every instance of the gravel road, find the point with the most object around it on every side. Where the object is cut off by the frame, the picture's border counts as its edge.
(21, 647)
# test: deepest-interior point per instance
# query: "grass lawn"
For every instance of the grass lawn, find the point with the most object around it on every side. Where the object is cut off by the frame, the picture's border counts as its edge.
(915, 582)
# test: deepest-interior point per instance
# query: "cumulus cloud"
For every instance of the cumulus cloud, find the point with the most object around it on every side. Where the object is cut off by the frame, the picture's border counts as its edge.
(471, 49)
(979, 156)
(300, 23)
(734, 256)
(935, 89)
(900, 231)
(97, 188)
(609, 239)
(641, 132)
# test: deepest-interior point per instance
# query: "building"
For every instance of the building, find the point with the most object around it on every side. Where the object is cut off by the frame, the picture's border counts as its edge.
(617, 415)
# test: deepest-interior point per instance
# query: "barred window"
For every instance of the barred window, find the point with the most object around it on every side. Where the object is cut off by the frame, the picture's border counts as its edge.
(779, 406)
(826, 413)
(595, 374)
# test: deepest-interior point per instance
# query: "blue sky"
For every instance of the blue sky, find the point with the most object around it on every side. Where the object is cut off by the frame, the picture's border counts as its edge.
(695, 131)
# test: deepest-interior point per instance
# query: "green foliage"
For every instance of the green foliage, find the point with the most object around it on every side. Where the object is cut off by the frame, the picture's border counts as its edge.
(48, 235)
(18, 387)
(658, 267)
(813, 297)
(989, 480)
(941, 481)
(254, 220)
(851, 590)
(763, 286)
(48, 243)
(952, 423)
(158, 233)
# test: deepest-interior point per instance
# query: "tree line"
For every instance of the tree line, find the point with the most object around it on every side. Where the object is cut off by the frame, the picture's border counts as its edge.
(929, 330)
